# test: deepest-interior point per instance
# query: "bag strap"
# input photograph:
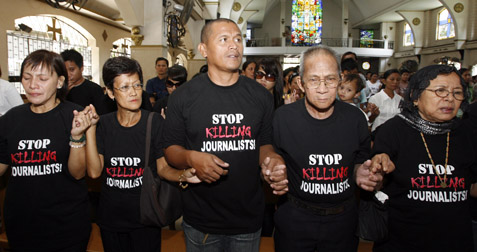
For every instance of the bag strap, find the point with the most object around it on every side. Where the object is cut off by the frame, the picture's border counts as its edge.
(148, 138)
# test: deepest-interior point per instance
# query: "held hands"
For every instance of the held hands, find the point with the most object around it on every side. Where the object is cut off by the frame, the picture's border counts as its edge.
(370, 174)
(208, 167)
(81, 122)
(274, 172)
(190, 177)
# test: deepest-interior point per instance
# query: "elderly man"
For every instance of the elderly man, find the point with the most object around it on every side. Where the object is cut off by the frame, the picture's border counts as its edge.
(220, 124)
(322, 140)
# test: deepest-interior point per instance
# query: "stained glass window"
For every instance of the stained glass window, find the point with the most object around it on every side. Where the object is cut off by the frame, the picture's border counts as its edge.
(408, 37)
(445, 28)
(366, 38)
(307, 16)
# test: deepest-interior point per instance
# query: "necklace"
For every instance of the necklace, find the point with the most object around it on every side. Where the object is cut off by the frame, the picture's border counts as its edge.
(443, 182)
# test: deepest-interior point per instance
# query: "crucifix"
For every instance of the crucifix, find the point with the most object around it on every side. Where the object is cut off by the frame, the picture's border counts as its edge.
(54, 29)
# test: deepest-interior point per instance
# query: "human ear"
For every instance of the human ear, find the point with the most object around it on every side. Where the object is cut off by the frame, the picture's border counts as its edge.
(61, 82)
(110, 93)
(202, 49)
(357, 95)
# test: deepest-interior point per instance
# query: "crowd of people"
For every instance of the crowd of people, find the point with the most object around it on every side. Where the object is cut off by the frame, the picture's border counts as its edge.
(264, 151)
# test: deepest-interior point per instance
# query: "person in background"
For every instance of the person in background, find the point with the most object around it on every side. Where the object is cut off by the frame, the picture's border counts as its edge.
(156, 87)
(465, 73)
(115, 152)
(81, 91)
(9, 96)
(176, 76)
(322, 141)
(269, 75)
(405, 74)
(368, 76)
(373, 85)
(46, 202)
(225, 213)
(248, 69)
(286, 79)
(296, 93)
(387, 100)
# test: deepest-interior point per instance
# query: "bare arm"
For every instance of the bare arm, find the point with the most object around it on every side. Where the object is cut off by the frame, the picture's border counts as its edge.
(94, 160)
(171, 174)
(76, 160)
(273, 169)
(3, 168)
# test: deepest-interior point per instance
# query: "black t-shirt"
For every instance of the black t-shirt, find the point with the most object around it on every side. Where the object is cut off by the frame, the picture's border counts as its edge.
(232, 123)
(470, 118)
(123, 149)
(161, 104)
(88, 93)
(45, 207)
(320, 154)
(423, 216)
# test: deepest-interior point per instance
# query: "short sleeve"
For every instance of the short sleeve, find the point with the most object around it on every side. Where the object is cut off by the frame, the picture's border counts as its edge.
(3, 142)
(157, 127)
(149, 86)
(100, 136)
(174, 126)
(386, 140)
(266, 129)
(364, 140)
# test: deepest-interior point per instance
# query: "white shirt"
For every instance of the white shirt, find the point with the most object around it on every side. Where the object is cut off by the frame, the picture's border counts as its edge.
(9, 97)
(373, 88)
(388, 107)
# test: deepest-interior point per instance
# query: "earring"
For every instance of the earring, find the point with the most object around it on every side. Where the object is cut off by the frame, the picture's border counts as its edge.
(113, 98)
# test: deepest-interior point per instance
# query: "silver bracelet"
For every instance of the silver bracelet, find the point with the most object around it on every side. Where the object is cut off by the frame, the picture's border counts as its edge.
(77, 146)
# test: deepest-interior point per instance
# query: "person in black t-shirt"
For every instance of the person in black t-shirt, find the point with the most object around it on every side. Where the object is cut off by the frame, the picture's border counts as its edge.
(176, 76)
(80, 90)
(46, 204)
(220, 124)
(429, 159)
(115, 151)
(322, 141)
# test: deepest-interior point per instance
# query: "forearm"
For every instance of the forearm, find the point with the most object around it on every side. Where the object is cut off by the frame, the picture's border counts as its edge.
(77, 163)
(268, 151)
(3, 168)
(94, 165)
(178, 156)
(167, 172)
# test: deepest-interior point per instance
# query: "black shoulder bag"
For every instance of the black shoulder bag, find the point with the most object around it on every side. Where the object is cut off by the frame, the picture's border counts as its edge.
(160, 202)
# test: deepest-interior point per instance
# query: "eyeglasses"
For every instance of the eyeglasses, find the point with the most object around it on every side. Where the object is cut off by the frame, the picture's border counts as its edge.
(170, 84)
(268, 77)
(443, 93)
(330, 82)
(126, 88)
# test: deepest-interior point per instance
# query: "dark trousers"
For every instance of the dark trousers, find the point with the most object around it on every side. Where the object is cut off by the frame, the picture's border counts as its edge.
(298, 229)
(138, 240)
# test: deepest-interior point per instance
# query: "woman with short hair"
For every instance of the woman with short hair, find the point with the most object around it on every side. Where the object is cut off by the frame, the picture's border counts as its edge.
(116, 151)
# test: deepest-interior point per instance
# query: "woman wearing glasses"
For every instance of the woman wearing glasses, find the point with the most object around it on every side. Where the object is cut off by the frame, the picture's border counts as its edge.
(115, 150)
(433, 158)
(176, 76)
(387, 100)
(270, 75)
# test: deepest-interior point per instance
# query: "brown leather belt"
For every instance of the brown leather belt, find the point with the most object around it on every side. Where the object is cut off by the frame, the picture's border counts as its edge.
(323, 211)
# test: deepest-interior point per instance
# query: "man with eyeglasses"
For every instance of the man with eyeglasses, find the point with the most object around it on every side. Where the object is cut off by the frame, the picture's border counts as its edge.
(176, 76)
(219, 123)
(322, 141)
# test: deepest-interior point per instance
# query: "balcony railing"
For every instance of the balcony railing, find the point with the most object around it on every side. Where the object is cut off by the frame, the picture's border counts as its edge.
(331, 42)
